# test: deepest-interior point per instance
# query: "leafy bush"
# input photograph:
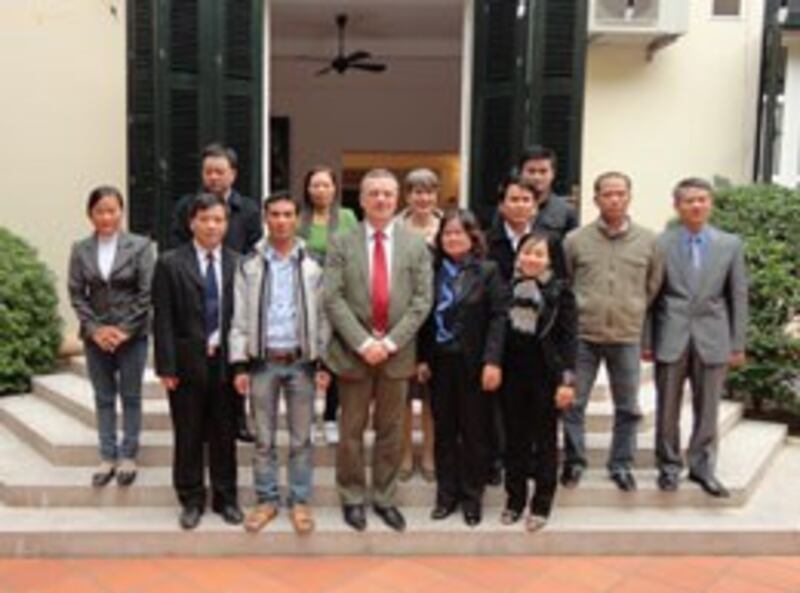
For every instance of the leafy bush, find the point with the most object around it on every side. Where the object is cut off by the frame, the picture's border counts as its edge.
(30, 328)
(768, 219)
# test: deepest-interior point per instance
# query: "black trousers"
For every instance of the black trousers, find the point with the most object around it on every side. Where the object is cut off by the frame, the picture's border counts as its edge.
(204, 424)
(531, 420)
(461, 416)
(331, 401)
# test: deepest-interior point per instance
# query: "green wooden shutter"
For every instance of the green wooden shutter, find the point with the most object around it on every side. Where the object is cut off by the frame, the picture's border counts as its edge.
(240, 85)
(142, 159)
(196, 65)
(528, 76)
(495, 100)
(555, 82)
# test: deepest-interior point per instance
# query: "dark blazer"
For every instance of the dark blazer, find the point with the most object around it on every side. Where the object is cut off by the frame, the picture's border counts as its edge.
(500, 250)
(124, 299)
(178, 304)
(245, 226)
(556, 330)
(477, 318)
(556, 216)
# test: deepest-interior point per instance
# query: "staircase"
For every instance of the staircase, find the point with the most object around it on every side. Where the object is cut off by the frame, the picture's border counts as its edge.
(48, 450)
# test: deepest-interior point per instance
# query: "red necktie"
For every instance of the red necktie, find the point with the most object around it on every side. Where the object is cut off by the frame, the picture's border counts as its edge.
(380, 286)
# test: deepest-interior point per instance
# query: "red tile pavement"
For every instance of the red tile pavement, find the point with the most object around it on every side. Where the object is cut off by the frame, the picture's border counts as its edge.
(428, 574)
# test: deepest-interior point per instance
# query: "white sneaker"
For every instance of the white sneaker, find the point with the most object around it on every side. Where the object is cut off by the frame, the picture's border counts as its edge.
(331, 433)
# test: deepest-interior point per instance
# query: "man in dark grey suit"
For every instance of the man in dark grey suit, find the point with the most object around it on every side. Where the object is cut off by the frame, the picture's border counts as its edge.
(537, 166)
(699, 323)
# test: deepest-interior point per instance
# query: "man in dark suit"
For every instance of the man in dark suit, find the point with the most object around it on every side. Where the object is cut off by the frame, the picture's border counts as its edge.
(697, 330)
(193, 306)
(537, 166)
(378, 292)
(218, 170)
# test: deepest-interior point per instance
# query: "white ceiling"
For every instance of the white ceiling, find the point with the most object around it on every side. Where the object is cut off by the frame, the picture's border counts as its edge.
(379, 26)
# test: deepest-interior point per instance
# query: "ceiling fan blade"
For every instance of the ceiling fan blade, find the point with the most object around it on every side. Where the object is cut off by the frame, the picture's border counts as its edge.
(358, 55)
(325, 70)
(369, 67)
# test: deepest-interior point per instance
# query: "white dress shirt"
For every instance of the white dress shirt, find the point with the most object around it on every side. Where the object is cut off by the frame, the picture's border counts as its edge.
(388, 241)
(106, 252)
(202, 261)
(513, 237)
(388, 244)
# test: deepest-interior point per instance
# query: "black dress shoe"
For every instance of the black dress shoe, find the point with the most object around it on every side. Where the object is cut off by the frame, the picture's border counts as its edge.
(624, 480)
(571, 476)
(354, 516)
(101, 478)
(190, 517)
(244, 435)
(442, 511)
(391, 516)
(667, 482)
(495, 476)
(711, 486)
(472, 517)
(231, 514)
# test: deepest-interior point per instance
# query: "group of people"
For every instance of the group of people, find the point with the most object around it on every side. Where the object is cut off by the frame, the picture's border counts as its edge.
(499, 334)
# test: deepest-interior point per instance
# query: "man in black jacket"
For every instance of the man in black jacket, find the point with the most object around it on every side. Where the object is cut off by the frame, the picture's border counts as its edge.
(556, 216)
(218, 170)
(193, 305)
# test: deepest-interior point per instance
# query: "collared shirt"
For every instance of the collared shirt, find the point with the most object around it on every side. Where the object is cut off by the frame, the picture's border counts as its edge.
(106, 252)
(388, 241)
(280, 331)
(695, 246)
(202, 261)
(515, 238)
(621, 230)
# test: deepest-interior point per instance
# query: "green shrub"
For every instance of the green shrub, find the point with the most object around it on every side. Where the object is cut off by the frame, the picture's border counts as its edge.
(768, 219)
(30, 328)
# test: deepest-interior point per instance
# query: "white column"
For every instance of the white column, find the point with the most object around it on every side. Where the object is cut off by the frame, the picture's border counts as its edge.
(789, 163)
(467, 52)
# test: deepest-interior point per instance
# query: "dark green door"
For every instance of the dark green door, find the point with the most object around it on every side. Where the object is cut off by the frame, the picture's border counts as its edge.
(195, 70)
(528, 75)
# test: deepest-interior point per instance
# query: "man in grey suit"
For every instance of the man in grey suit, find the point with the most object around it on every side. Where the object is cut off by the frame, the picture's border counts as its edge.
(699, 323)
(378, 292)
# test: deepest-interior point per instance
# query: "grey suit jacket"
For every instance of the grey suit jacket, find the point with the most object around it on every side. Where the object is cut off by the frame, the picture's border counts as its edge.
(715, 318)
(349, 307)
(124, 299)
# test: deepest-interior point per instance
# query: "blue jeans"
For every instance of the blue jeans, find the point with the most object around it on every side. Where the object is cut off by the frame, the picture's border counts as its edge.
(267, 383)
(118, 372)
(623, 366)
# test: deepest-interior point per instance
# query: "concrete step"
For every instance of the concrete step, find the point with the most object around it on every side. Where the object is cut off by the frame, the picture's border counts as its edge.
(65, 440)
(599, 415)
(73, 393)
(769, 523)
(29, 479)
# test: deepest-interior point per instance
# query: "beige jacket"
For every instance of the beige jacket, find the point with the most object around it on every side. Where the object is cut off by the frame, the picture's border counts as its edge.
(615, 278)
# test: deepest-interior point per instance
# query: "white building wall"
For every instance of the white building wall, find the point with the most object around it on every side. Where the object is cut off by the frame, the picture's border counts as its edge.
(62, 120)
(692, 110)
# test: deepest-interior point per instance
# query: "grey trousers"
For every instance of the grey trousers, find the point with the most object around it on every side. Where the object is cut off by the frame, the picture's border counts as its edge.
(357, 397)
(622, 363)
(707, 382)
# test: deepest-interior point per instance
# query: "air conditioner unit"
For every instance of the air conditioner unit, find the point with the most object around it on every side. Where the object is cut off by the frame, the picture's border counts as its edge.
(637, 20)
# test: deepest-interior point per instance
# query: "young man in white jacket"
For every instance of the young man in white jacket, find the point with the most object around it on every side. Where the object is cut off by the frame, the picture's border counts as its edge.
(277, 338)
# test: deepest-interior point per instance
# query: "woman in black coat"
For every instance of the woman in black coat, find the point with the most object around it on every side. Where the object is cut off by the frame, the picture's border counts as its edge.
(538, 367)
(461, 348)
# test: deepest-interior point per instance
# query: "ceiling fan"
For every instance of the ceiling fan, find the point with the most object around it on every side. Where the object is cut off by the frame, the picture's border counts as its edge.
(356, 59)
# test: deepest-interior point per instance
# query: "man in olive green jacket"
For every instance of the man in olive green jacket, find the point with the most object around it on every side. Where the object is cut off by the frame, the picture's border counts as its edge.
(378, 292)
(616, 271)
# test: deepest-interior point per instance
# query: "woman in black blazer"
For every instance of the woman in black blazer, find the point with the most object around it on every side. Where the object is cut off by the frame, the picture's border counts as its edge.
(109, 286)
(461, 348)
(539, 368)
